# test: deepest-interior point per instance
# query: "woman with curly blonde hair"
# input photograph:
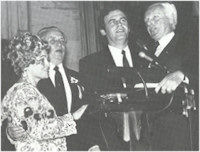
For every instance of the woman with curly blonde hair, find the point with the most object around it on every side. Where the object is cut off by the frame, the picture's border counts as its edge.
(25, 106)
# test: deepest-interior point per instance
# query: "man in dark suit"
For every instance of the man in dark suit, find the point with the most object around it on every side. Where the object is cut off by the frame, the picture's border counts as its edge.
(170, 131)
(74, 95)
(95, 69)
(70, 100)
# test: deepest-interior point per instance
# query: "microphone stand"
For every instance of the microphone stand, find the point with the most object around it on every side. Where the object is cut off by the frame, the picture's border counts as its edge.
(188, 105)
(145, 86)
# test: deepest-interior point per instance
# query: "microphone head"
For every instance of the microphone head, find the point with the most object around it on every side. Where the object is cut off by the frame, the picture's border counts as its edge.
(142, 54)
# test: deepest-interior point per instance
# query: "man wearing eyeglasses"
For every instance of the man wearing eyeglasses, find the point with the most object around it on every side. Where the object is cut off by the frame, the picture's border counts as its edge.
(170, 130)
(69, 98)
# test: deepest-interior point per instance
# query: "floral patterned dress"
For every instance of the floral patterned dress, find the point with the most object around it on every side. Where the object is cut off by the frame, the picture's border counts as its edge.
(28, 108)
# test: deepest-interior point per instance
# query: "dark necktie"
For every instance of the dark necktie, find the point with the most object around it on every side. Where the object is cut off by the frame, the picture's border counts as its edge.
(125, 61)
(60, 92)
(155, 45)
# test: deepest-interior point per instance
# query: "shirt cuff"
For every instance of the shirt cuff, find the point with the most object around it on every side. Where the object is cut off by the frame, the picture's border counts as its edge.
(186, 80)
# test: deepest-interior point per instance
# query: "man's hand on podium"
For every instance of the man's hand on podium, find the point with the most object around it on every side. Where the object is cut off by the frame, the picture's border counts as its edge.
(170, 82)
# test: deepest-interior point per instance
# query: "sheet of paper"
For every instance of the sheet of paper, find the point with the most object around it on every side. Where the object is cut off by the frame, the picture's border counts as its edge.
(149, 85)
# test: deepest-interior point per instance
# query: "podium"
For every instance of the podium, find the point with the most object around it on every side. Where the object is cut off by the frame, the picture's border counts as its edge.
(129, 114)
(130, 109)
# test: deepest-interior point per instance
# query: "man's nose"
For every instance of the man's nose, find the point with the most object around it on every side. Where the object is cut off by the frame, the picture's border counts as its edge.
(58, 43)
(150, 23)
(119, 23)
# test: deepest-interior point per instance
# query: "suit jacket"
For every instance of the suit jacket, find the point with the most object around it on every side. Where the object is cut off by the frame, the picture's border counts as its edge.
(47, 88)
(96, 70)
(177, 55)
(96, 73)
(80, 141)
(170, 131)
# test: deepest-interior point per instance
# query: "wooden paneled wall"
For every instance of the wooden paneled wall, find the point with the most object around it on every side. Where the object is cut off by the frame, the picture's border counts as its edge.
(79, 21)
(69, 16)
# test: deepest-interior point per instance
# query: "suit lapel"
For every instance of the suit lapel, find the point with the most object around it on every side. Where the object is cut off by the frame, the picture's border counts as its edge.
(67, 72)
(168, 50)
(68, 75)
(134, 56)
(73, 87)
(108, 57)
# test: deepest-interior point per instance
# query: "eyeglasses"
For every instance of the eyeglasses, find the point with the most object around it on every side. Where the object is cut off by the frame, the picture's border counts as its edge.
(55, 41)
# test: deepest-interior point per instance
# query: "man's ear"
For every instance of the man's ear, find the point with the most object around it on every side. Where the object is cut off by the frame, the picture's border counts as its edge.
(103, 32)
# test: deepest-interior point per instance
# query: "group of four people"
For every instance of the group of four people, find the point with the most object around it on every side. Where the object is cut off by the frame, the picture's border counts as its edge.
(39, 120)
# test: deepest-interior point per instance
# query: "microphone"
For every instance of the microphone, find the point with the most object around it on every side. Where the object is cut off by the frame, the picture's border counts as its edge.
(146, 57)
(142, 45)
(156, 63)
(153, 61)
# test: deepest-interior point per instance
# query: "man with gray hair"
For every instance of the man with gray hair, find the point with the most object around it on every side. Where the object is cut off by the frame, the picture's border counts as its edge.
(161, 20)
(170, 131)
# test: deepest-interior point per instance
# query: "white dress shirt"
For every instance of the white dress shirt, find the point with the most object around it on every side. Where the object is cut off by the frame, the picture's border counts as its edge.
(118, 57)
(68, 91)
(163, 43)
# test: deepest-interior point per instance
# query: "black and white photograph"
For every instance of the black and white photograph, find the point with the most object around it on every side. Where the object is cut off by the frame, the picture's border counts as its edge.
(99, 76)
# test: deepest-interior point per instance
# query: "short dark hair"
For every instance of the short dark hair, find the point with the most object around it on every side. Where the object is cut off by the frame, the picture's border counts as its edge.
(110, 6)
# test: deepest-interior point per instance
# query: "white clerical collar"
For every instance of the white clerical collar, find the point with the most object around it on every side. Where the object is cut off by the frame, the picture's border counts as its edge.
(166, 39)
